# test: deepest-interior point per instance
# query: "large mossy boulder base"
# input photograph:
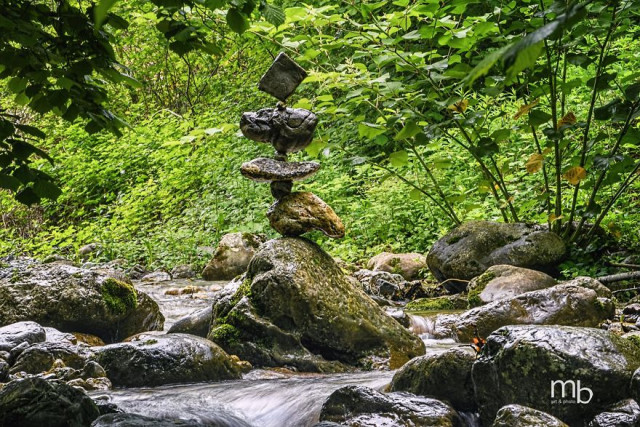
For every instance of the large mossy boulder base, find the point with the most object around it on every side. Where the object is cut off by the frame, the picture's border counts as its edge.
(296, 300)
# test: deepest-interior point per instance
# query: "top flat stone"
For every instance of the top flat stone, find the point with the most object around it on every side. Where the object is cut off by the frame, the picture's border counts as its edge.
(267, 170)
(282, 78)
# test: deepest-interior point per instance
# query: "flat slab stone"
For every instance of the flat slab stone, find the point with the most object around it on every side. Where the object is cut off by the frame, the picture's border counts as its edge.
(282, 78)
(287, 129)
(301, 212)
(267, 170)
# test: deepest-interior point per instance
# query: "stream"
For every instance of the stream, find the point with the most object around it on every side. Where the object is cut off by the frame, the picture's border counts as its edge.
(263, 398)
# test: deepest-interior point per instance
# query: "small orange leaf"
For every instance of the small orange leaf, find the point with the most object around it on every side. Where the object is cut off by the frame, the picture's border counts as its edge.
(534, 164)
(525, 109)
(568, 119)
(460, 106)
(575, 175)
(553, 218)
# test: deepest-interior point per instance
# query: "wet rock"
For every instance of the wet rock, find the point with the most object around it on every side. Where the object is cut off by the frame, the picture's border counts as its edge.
(362, 406)
(279, 189)
(15, 334)
(87, 250)
(4, 370)
(301, 212)
(559, 305)
(282, 78)
(156, 276)
(519, 364)
(407, 265)
(505, 281)
(90, 340)
(136, 272)
(137, 420)
(152, 359)
(37, 402)
(590, 283)
(54, 335)
(184, 271)
(268, 170)
(41, 357)
(197, 323)
(72, 299)
(522, 416)
(296, 299)
(469, 249)
(444, 376)
(372, 281)
(437, 304)
(287, 129)
(232, 256)
(623, 414)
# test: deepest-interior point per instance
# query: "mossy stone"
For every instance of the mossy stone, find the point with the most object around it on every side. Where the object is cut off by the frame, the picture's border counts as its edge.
(119, 296)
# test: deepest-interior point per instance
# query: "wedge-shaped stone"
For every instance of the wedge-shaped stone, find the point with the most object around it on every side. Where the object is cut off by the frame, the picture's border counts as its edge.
(269, 170)
(287, 129)
(300, 212)
(282, 78)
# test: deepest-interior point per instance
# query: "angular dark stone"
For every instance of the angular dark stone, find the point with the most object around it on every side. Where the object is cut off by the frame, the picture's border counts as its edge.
(282, 78)
(287, 129)
(279, 189)
(264, 169)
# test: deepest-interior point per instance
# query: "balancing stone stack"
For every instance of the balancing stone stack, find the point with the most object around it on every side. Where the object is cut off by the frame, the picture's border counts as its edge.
(289, 130)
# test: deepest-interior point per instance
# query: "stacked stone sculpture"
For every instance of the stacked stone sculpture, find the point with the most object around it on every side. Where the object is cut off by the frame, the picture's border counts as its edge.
(288, 130)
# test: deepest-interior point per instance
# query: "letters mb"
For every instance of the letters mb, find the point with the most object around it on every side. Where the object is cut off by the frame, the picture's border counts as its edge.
(576, 390)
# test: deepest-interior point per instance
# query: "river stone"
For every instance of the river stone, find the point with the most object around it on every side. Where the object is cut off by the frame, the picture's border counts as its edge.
(54, 335)
(444, 376)
(152, 359)
(73, 299)
(41, 357)
(591, 283)
(197, 323)
(232, 256)
(407, 265)
(301, 212)
(296, 297)
(522, 416)
(183, 271)
(17, 333)
(287, 129)
(559, 305)
(359, 406)
(267, 170)
(282, 78)
(279, 189)
(519, 363)
(623, 414)
(35, 402)
(469, 249)
(505, 281)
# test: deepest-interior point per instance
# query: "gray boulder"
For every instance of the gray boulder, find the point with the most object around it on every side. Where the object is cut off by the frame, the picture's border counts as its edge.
(469, 249)
(358, 406)
(197, 323)
(505, 281)
(41, 357)
(35, 402)
(154, 359)
(408, 265)
(72, 299)
(445, 376)
(522, 416)
(296, 307)
(232, 256)
(622, 414)
(520, 363)
(287, 129)
(15, 334)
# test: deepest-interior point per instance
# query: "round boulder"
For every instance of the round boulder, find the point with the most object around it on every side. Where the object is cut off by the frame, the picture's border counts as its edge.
(522, 416)
(505, 281)
(300, 212)
(469, 249)
(232, 256)
(407, 265)
(15, 334)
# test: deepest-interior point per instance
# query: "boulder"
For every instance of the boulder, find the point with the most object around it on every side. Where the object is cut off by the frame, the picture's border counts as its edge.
(590, 283)
(520, 363)
(15, 334)
(505, 281)
(232, 256)
(35, 402)
(559, 305)
(296, 305)
(287, 129)
(469, 249)
(444, 376)
(437, 304)
(359, 406)
(380, 283)
(54, 335)
(156, 277)
(264, 169)
(72, 299)
(183, 271)
(407, 265)
(197, 323)
(41, 357)
(625, 413)
(300, 212)
(154, 359)
(522, 416)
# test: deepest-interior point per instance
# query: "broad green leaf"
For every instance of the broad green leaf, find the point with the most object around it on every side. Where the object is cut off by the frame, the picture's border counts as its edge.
(409, 130)
(484, 66)
(8, 182)
(273, 14)
(101, 10)
(237, 21)
(538, 117)
(370, 130)
(399, 158)
(46, 189)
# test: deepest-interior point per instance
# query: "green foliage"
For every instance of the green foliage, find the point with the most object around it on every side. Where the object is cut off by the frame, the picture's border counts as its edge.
(120, 297)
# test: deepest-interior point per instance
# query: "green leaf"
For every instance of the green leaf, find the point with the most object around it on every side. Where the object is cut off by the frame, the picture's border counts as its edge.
(237, 21)
(370, 130)
(31, 131)
(101, 10)
(484, 66)
(409, 130)
(538, 117)
(9, 182)
(46, 189)
(27, 196)
(273, 14)
(415, 194)
(399, 158)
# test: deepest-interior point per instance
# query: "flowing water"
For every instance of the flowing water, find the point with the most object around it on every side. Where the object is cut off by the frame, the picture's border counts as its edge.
(263, 398)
